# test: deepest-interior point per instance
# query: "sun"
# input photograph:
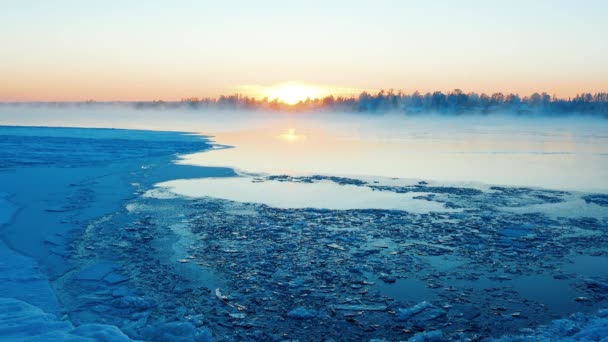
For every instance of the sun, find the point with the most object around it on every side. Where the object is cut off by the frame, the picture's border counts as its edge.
(292, 93)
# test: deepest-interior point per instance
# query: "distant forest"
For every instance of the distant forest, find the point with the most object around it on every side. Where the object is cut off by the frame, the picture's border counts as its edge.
(455, 102)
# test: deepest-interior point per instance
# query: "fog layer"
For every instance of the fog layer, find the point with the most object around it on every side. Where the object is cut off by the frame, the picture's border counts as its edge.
(553, 152)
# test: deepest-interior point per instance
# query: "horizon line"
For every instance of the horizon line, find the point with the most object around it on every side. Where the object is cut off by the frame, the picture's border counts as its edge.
(263, 99)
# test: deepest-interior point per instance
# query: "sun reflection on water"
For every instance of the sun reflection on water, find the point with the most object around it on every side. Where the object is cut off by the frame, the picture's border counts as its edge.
(290, 135)
(441, 151)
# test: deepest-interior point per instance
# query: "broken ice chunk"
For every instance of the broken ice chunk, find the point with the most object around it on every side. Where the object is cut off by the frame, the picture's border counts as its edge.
(335, 246)
(361, 307)
(301, 313)
(423, 311)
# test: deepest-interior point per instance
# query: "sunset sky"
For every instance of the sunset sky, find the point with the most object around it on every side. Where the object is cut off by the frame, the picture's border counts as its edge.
(60, 50)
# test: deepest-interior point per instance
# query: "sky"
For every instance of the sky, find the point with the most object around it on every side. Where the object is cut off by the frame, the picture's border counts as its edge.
(113, 50)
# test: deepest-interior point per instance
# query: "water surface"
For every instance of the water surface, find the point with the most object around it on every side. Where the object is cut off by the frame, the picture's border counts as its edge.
(321, 194)
(557, 154)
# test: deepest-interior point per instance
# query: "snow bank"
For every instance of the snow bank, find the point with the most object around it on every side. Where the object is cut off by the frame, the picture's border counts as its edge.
(22, 321)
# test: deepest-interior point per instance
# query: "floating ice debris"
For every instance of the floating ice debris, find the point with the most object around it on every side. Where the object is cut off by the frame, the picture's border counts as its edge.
(405, 314)
(315, 178)
(229, 250)
(428, 336)
(301, 313)
(336, 246)
(577, 327)
(387, 278)
(465, 311)
(219, 295)
(160, 193)
(361, 307)
(335, 259)
(517, 231)
(596, 286)
(226, 300)
(178, 332)
(423, 311)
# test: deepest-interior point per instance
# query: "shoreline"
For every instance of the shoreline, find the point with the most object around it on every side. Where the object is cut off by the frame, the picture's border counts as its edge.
(54, 203)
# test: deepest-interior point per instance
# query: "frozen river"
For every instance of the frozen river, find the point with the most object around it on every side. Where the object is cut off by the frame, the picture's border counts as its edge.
(330, 226)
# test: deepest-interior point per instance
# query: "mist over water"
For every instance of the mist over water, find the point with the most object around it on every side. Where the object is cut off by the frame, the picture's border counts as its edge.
(553, 152)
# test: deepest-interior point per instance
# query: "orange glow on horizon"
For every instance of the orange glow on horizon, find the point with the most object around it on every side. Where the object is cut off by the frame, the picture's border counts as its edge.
(37, 89)
(293, 93)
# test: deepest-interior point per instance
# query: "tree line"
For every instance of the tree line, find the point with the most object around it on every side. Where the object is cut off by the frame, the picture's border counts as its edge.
(454, 102)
